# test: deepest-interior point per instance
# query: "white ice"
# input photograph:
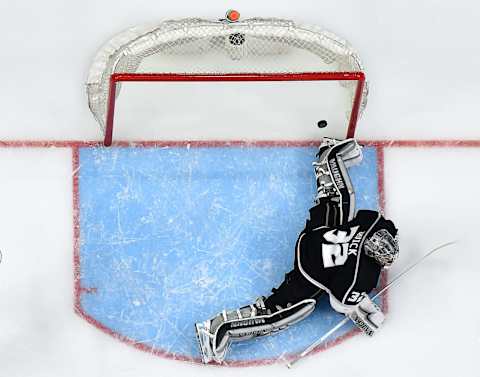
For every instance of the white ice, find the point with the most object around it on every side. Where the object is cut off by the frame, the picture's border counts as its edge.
(422, 60)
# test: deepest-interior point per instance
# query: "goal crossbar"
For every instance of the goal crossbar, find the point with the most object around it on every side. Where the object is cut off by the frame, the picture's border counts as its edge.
(117, 78)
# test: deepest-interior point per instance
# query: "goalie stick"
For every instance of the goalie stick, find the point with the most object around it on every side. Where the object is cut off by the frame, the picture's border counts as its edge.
(346, 319)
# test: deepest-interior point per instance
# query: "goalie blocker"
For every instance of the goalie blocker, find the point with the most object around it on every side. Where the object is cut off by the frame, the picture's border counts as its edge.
(337, 253)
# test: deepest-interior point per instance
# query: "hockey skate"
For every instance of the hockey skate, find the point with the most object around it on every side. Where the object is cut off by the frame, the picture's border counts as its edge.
(205, 339)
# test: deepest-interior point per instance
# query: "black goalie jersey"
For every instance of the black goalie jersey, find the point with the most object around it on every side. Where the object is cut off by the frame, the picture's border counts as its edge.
(334, 258)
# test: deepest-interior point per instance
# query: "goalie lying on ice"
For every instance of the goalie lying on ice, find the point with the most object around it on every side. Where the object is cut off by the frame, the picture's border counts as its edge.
(338, 253)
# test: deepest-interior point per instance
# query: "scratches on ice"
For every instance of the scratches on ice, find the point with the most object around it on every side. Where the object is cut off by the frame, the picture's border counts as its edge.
(170, 236)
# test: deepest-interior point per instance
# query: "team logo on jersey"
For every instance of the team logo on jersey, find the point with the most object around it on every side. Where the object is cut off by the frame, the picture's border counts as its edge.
(342, 244)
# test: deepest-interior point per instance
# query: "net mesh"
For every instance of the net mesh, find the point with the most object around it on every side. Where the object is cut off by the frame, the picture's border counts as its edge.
(198, 46)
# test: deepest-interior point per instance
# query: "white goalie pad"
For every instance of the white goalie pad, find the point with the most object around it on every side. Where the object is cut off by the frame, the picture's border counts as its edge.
(333, 180)
(215, 335)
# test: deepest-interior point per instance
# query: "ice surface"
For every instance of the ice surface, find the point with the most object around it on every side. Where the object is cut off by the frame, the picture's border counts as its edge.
(172, 236)
(421, 60)
(42, 336)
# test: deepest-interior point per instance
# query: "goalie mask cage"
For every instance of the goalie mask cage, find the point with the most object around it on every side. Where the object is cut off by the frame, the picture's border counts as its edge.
(198, 50)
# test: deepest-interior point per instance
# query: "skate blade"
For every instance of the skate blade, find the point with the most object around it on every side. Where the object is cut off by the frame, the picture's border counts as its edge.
(199, 331)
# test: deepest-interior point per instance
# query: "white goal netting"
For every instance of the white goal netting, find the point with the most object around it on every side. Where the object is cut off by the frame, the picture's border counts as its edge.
(198, 46)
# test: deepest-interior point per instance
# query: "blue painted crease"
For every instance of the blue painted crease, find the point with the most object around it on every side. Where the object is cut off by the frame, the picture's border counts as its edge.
(171, 236)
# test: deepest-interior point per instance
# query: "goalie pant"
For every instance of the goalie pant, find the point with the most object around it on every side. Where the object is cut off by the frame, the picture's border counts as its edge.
(344, 261)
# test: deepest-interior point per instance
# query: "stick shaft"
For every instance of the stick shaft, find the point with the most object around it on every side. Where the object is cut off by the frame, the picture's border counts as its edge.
(381, 292)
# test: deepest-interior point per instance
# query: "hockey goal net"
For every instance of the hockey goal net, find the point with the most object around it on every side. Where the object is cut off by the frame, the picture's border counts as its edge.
(225, 80)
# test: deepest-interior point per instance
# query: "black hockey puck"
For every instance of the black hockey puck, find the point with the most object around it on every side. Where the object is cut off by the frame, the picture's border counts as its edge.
(322, 123)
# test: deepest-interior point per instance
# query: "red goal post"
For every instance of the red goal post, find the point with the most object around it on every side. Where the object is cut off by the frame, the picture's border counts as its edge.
(116, 78)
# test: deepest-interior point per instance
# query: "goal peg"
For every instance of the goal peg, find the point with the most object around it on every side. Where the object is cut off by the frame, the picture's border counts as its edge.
(232, 15)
